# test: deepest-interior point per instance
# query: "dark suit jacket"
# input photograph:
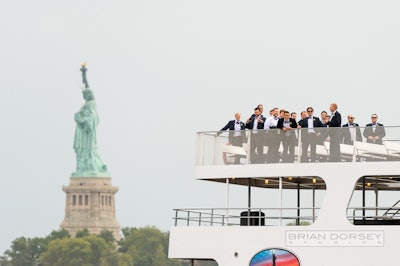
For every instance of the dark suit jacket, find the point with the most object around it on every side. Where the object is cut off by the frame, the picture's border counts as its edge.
(318, 128)
(231, 127)
(336, 120)
(346, 137)
(379, 131)
(260, 125)
(333, 124)
(293, 124)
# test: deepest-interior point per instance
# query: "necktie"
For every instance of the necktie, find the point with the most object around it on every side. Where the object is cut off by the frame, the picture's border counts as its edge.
(351, 124)
(237, 122)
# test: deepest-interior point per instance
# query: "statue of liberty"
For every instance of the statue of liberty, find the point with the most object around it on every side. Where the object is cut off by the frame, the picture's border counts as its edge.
(273, 259)
(88, 161)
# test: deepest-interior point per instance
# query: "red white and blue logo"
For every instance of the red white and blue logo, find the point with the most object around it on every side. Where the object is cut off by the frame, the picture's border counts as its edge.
(274, 257)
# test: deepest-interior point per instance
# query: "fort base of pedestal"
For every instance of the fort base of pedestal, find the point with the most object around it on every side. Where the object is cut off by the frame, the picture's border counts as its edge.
(90, 204)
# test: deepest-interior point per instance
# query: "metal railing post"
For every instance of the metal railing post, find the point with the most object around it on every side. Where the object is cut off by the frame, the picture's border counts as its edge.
(280, 201)
(248, 148)
(313, 206)
(200, 148)
(354, 144)
(299, 147)
(227, 200)
(215, 151)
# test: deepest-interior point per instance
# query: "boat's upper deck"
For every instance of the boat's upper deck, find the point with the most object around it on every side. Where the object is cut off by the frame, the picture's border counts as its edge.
(275, 153)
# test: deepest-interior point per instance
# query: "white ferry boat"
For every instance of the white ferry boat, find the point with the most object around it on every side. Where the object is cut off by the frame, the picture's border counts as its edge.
(342, 213)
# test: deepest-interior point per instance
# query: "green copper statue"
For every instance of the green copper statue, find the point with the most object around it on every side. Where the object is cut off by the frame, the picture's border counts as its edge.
(88, 161)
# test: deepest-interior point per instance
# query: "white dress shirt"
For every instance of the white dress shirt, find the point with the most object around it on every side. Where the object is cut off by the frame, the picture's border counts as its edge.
(271, 122)
(237, 129)
(286, 124)
(311, 124)
(351, 129)
(255, 124)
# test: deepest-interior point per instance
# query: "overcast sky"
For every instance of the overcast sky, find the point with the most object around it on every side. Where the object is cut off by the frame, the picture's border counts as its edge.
(161, 71)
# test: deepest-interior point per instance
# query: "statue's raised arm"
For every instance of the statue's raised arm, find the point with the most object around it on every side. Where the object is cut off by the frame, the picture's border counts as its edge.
(84, 79)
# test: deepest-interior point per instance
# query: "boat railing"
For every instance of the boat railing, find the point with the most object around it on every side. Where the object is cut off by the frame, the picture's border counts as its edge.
(244, 216)
(375, 215)
(298, 146)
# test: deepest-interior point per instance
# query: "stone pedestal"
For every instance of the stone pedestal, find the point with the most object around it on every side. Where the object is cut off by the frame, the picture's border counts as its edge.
(90, 204)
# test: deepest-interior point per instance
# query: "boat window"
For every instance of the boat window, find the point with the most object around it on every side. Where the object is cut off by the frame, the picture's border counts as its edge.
(297, 204)
(375, 201)
(278, 201)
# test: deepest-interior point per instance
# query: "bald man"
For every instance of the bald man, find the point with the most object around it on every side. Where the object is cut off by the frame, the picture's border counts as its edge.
(334, 123)
(351, 131)
(237, 133)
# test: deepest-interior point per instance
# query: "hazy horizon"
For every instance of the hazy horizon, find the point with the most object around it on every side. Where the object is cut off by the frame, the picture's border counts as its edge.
(161, 71)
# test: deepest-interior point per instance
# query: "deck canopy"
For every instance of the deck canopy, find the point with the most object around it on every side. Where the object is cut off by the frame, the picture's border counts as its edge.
(388, 183)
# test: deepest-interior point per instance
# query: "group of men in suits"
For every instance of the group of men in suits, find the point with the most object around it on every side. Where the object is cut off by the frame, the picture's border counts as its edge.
(373, 132)
(263, 132)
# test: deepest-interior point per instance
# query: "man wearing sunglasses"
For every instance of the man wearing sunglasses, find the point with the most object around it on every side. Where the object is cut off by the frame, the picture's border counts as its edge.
(348, 133)
(374, 132)
(310, 135)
